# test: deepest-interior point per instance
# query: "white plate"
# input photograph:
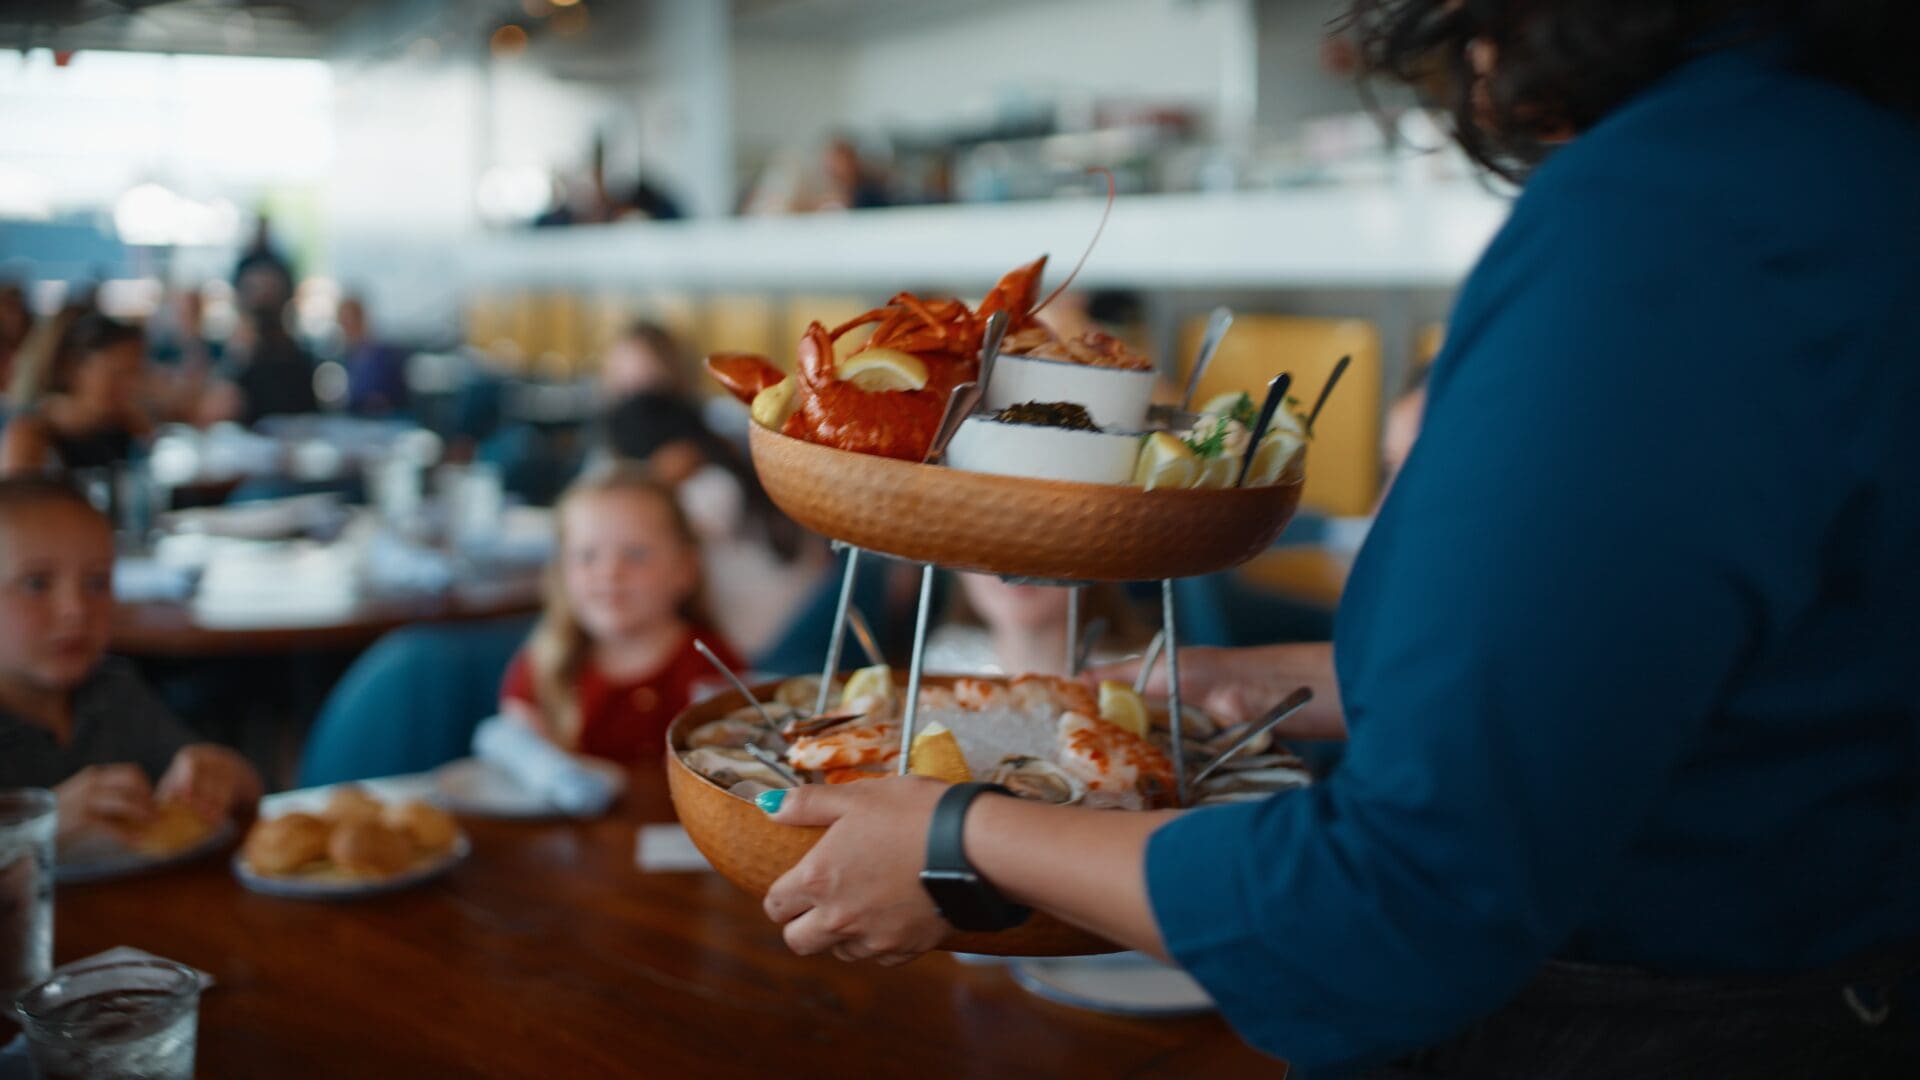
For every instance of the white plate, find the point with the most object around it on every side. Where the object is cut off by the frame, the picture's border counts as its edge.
(298, 887)
(109, 866)
(1123, 984)
(476, 788)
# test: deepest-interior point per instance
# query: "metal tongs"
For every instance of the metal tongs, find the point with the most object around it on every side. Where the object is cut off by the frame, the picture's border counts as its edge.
(967, 396)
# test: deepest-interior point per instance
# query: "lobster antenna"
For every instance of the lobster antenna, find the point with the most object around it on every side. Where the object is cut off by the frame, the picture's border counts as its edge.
(1104, 215)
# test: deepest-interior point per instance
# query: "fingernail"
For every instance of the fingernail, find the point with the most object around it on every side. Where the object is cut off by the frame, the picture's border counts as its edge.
(770, 799)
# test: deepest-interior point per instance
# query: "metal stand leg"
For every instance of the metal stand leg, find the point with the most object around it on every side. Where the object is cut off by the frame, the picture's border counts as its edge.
(1073, 631)
(839, 631)
(914, 667)
(1176, 721)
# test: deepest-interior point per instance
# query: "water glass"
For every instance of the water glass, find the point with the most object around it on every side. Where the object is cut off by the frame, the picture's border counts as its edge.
(474, 498)
(397, 484)
(26, 888)
(113, 1020)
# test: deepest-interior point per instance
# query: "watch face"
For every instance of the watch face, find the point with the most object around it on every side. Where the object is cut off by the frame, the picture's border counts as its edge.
(959, 896)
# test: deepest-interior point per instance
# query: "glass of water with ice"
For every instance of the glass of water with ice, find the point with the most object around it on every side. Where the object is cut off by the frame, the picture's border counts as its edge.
(26, 888)
(114, 1020)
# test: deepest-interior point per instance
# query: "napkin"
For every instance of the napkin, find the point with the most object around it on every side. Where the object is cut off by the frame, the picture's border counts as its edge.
(136, 580)
(542, 768)
(667, 849)
(392, 564)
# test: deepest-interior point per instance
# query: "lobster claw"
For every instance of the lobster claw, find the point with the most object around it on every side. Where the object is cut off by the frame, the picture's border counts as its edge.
(743, 375)
(816, 358)
(1016, 294)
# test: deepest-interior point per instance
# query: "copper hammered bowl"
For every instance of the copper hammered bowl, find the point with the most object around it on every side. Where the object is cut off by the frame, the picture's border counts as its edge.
(751, 850)
(1017, 527)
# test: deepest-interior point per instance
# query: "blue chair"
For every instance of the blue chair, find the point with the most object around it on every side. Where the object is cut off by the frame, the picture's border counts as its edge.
(412, 701)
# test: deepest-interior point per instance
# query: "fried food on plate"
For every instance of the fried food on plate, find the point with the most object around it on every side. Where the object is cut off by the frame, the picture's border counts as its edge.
(287, 843)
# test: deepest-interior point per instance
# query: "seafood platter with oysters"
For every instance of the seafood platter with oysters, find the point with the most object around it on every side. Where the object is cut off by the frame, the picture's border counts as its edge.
(975, 437)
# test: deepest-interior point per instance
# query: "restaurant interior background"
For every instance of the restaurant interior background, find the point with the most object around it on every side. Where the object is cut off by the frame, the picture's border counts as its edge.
(404, 270)
(506, 186)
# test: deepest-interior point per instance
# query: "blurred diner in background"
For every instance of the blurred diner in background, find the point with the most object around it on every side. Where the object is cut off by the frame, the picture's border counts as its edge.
(372, 530)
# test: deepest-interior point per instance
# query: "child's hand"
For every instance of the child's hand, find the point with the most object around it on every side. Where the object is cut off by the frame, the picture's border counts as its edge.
(213, 780)
(103, 799)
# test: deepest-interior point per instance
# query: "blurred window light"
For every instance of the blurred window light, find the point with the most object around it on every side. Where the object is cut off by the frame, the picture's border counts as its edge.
(150, 214)
(24, 194)
(512, 194)
(209, 125)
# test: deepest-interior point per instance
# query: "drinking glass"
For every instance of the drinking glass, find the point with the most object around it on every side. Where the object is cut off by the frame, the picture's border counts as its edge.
(26, 888)
(113, 1020)
(474, 499)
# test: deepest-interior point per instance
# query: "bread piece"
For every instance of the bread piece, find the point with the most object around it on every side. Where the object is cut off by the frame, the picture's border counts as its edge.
(175, 828)
(352, 803)
(282, 845)
(370, 849)
(431, 829)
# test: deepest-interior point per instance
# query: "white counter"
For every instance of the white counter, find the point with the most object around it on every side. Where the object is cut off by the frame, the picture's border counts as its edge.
(1366, 238)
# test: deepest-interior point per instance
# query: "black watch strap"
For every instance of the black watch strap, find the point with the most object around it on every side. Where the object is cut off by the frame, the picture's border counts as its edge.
(964, 898)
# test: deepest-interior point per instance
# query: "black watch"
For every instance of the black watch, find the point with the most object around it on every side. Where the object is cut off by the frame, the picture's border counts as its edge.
(962, 895)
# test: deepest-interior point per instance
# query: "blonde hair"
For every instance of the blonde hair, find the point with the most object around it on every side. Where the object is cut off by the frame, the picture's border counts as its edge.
(560, 646)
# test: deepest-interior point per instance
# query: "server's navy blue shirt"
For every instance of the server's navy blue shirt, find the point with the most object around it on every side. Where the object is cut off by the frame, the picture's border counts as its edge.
(1631, 659)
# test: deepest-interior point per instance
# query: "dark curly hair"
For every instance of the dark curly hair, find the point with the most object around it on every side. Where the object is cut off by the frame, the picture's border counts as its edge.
(1561, 65)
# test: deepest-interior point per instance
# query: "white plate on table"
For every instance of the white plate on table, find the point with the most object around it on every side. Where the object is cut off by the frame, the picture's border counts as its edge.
(335, 886)
(110, 865)
(475, 788)
(1123, 984)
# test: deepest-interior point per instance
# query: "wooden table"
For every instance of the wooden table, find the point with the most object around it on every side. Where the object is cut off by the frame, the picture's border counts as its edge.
(549, 953)
(169, 629)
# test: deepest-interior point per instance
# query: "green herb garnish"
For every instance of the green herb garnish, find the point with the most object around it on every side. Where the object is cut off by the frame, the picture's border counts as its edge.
(1213, 443)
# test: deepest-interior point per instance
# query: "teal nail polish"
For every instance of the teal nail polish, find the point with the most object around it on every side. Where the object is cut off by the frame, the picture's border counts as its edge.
(770, 799)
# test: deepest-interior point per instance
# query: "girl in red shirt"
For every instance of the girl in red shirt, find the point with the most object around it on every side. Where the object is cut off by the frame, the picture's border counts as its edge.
(612, 661)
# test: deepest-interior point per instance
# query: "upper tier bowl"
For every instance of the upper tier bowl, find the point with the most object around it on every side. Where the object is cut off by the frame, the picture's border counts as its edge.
(1050, 530)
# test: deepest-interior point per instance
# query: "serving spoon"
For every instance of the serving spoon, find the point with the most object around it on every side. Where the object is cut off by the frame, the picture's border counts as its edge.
(723, 669)
(1217, 325)
(1181, 417)
(1089, 641)
(863, 633)
(1333, 379)
(1289, 705)
(1276, 393)
(967, 396)
(1152, 657)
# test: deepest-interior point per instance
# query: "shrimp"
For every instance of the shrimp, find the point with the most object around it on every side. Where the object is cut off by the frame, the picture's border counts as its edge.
(1111, 758)
(978, 695)
(848, 746)
(1063, 694)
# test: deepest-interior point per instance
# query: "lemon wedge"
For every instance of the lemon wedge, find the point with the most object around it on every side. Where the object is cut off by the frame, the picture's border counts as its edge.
(868, 682)
(1165, 462)
(772, 406)
(1218, 473)
(936, 753)
(883, 369)
(1122, 708)
(1279, 452)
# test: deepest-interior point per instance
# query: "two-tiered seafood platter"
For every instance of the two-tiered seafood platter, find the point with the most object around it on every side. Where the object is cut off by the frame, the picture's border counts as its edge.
(977, 438)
